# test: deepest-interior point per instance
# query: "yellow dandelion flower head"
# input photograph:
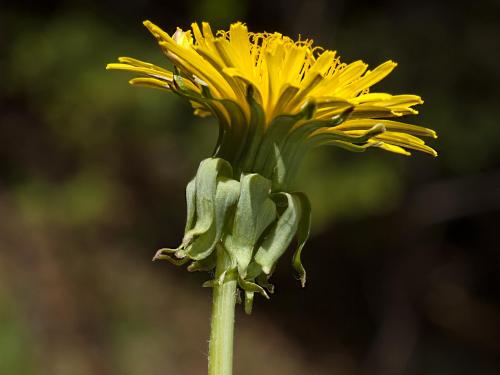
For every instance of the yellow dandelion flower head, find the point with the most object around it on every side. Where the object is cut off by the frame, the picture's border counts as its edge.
(276, 98)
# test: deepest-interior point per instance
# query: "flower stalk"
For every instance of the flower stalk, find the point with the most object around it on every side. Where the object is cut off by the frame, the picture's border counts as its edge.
(220, 358)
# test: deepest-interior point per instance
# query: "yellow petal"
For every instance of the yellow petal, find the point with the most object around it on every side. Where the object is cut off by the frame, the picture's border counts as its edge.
(159, 74)
(361, 124)
(150, 82)
(369, 79)
(406, 140)
(390, 148)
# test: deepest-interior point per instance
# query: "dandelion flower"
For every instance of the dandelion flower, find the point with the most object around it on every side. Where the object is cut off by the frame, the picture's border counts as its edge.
(275, 99)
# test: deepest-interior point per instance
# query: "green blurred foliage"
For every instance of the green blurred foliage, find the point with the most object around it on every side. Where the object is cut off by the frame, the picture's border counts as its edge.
(344, 189)
(15, 342)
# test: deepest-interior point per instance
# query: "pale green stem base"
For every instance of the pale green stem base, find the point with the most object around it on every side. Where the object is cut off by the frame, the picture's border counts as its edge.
(220, 359)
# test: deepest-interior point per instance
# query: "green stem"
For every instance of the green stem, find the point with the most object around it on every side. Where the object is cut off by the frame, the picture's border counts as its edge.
(220, 359)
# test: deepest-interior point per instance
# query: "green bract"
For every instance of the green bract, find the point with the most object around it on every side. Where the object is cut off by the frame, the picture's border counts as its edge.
(244, 218)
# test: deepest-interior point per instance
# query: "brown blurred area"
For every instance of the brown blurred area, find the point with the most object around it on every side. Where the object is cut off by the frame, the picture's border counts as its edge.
(403, 265)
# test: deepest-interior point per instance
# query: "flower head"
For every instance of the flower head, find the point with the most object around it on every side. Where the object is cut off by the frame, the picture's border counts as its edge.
(276, 98)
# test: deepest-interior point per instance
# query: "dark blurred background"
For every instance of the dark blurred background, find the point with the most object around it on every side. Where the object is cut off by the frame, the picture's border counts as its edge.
(403, 265)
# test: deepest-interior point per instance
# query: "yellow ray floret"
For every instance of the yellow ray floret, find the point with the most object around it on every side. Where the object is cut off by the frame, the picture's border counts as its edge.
(216, 71)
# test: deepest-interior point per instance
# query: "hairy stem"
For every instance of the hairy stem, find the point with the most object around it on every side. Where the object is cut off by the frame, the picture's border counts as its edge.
(220, 360)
